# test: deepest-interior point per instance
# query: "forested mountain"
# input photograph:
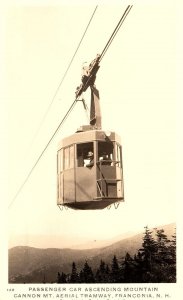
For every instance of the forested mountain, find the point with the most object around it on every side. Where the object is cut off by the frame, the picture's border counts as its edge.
(33, 265)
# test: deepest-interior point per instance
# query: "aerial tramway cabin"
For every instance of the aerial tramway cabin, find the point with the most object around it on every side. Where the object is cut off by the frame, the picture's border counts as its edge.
(86, 184)
(89, 162)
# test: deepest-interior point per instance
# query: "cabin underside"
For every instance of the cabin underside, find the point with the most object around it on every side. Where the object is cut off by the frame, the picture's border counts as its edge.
(94, 204)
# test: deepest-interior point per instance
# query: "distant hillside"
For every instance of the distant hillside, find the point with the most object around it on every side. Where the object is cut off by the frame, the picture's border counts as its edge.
(25, 260)
(33, 265)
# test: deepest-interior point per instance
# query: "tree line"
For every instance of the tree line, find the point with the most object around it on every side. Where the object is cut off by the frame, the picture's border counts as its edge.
(154, 262)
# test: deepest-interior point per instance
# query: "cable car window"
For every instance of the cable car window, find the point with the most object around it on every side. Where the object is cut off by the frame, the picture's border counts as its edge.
(58, 158)
(60, 161)
(105, 153)
(118, 155)
(69, 157)
(66, 158)
(84, 154)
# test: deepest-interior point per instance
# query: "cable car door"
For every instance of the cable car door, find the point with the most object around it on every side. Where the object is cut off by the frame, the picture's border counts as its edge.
(85, 173)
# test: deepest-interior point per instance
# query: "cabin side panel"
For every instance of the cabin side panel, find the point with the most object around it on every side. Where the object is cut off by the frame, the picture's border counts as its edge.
(69, 186)
(85, 184)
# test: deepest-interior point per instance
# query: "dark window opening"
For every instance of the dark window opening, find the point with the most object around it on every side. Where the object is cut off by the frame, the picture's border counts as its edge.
(85, 155)
(105, 153)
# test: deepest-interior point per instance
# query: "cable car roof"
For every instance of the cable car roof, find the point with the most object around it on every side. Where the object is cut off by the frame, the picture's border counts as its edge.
(89, 135)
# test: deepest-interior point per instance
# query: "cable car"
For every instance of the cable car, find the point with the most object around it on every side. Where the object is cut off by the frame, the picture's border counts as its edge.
(89, 162)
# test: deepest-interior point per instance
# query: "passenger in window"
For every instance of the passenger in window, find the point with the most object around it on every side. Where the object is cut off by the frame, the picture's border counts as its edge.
(106, 159)
(90, 159)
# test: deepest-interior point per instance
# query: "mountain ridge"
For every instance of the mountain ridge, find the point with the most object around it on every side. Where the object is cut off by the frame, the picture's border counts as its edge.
(29, 264)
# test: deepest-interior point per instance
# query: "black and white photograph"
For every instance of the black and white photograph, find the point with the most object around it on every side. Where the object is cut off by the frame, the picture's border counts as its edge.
(90, 123)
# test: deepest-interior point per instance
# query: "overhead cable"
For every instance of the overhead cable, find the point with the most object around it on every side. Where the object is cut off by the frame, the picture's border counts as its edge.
(63, 77)
(94, 65)
(45, 148)
(126, 12)
(83, 88)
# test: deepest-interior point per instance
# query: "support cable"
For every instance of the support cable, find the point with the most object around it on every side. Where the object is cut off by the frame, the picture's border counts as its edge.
(82, 88)
(126, 12)
(38, 159)
(94, 65)
(45, 148)
(62, 80)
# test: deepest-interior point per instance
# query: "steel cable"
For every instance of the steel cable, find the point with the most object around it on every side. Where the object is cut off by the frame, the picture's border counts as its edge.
(38, 159)
(126, 12)
(63, 77)
(74, 102)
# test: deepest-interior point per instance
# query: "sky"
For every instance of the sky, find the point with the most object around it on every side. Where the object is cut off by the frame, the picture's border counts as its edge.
(137, 85)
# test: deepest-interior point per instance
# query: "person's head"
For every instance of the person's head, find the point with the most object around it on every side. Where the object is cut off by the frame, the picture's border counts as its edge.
(90, 154)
